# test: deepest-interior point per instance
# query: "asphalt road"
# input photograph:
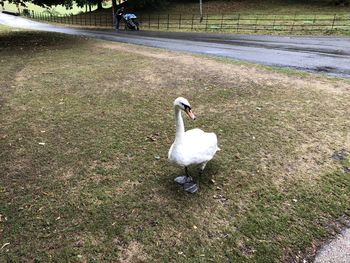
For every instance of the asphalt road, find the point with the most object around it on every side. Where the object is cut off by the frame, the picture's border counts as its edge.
(329, 55)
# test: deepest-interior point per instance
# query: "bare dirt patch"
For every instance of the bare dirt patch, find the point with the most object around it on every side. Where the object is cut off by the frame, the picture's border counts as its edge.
(133, 252)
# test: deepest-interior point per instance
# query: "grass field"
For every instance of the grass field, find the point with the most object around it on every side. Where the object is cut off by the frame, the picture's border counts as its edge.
(85, 130)
(254, 16)
(257, 7)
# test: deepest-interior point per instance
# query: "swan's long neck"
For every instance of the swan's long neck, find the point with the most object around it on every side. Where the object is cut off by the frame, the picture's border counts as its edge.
(180, 128)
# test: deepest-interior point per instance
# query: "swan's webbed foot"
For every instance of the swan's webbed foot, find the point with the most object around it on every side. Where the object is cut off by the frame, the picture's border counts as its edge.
(187, 182)
(191, 187)
(183, 179)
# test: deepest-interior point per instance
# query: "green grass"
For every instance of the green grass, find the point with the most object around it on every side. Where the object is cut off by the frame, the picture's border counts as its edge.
(257, 7)
(259, 17)
(96, 191)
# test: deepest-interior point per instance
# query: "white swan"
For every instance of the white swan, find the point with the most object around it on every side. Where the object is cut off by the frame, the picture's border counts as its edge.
(191, 147)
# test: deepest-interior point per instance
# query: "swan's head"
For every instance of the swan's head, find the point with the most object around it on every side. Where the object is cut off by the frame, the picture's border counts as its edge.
(184, 105)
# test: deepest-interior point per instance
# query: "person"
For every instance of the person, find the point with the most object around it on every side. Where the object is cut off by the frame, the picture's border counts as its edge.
(119, 16)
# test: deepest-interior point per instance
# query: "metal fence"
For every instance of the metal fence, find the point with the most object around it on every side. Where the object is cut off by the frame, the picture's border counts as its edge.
(243, 23)
(236, 23)
(103, 20)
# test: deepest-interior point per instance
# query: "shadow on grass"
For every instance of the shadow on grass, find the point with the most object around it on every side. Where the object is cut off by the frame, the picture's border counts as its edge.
(36, 40)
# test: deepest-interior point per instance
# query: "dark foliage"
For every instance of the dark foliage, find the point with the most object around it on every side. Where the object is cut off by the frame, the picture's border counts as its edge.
(66, 3)
(145, 4)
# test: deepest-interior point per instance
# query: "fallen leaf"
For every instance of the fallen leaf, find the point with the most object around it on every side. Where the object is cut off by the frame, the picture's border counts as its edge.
(4, 245)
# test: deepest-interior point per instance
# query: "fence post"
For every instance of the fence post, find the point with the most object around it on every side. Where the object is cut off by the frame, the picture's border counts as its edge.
(167, 25)
(333, 21)
(274, 22)
(222, 21)
(192, 23)
(206, 24)
(239, 15)
(313, 24)
(295, 15)
(149, 21)
(256, 24)
(180, 21)
(158, 22)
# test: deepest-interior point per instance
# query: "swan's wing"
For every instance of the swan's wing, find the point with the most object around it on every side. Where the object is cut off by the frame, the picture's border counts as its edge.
(170, 151)
(200, 146)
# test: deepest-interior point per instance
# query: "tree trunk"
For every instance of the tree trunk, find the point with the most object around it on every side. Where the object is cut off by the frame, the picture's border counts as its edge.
(114, 4)
(99, 5)
(114, 9)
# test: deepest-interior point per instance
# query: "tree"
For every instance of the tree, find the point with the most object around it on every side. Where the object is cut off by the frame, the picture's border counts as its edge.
(67, 3)
(140, 4)
(46, 3)
(82, 3)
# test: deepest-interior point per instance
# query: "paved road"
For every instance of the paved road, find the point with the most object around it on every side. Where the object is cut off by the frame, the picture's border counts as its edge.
(330, 55)
(337, 251)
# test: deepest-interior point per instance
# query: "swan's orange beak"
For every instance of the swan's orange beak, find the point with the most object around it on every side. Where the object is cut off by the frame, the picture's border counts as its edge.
(190, 113)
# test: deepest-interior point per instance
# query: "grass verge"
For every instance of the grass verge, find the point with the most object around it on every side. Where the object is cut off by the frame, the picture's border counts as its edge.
(85, 130)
